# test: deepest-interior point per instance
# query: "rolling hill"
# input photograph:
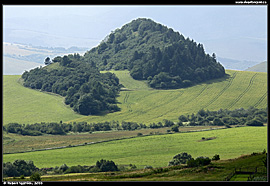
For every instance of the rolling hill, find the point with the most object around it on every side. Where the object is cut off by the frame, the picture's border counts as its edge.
(156, 53)
(139, 102)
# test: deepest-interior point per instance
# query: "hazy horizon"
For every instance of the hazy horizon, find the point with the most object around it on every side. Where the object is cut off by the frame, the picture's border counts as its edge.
(236, 32)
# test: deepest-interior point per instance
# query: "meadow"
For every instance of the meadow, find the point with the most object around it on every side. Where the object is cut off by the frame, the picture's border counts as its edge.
(137, 101)
(24, 105)
(156, 150)
(143, 104)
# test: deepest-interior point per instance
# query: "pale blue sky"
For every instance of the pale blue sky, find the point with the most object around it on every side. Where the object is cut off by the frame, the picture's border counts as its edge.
(237, 32)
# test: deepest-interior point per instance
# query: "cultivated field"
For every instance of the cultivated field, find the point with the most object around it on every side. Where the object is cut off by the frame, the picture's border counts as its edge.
(140, 103)
(156, 150)
(146, 105)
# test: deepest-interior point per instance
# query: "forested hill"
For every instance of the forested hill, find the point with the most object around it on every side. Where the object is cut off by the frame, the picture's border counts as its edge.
(154, 52)
(85, 89)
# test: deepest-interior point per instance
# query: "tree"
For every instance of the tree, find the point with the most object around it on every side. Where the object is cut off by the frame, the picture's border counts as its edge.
(47, 61)
(214, 56)
(19, 167)
(254, 122)
(63, 167)
(216, 157)
(218, 122)
(181, 158)
(183, 118)
(65, 61)
(9, 170)
(106, 165)
(199, 161)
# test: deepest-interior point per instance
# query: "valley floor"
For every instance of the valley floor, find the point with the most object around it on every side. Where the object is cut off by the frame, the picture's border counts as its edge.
(154, 150)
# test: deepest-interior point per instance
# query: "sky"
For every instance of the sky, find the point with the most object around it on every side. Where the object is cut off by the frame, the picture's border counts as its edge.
(236, 32)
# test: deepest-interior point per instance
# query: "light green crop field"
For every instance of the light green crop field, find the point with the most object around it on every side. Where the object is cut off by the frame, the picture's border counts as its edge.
(146, 105)
(156, 150)
(139, 103)
(24, 105)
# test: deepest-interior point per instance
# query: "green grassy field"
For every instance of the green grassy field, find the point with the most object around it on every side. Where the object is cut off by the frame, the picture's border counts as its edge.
(15, 143)
(24, 105)
(155, 150)
(140, 103)
(146, 105)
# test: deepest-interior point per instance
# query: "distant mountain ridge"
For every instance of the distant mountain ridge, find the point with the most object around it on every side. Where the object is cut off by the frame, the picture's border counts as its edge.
(261, 67)
(156, 53)
(234, 64)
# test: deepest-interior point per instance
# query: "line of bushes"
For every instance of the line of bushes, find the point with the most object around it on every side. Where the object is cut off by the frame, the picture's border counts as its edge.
(61, 128)
(249, 117)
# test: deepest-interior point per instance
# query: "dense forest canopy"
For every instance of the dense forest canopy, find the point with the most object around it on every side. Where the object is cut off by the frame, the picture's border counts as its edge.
(86, 90)
(153, 52)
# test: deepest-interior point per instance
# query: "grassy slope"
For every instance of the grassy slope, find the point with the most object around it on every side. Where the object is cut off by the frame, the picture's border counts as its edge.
(141, 104)
(24, 105)
(146, 105)
(155, 150)
(261, 67)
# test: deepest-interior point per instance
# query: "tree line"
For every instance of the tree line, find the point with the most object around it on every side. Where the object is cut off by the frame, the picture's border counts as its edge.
(54, 128)
(250, 117)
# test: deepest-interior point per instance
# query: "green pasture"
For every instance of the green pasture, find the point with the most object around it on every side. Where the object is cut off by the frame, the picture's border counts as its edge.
(156, 150)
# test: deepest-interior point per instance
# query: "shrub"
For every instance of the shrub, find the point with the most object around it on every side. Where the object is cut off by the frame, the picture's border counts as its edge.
(254, 122)
(75, 169)
(218, 122)
(203, 161)
(183, 118)
(199, 161)
(181, 158)
(192, 163)
(63, 167)
(175, 128)
(35, 177)
(106, 165)
(216, 157)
